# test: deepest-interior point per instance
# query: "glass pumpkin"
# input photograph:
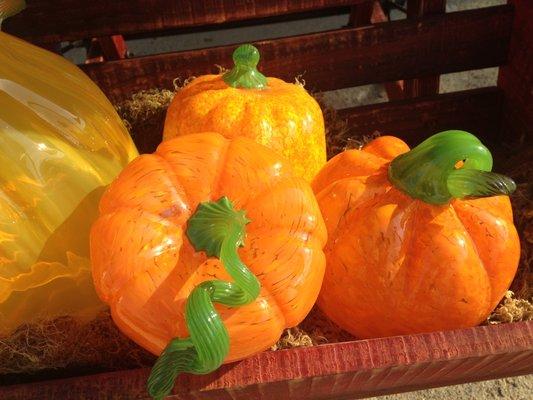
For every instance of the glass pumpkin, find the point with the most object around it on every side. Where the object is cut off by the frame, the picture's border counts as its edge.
(419, 240)
(61, 143)
(243, 102)
(204, 220)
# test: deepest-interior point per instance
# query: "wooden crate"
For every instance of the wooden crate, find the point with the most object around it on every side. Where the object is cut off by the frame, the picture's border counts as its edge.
(412, 53)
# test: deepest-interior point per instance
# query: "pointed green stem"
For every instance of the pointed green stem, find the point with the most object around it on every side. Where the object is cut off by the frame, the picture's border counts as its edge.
(218, 229)
(466, 183)
(245, 74)
(428, 172)
(9, 8)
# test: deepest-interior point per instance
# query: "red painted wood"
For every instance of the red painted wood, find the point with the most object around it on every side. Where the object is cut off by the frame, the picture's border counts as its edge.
(113, 47)
(361, 14)
(46, 21)
(394, 89)
(336, 59)
(417, 9)
(477, 111)
(344, 370)
(378, 15)
(516, 77)
(368, 14)
(106, 48)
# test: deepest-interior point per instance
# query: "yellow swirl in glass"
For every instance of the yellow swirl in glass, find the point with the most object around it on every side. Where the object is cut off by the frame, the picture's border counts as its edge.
(61, 144)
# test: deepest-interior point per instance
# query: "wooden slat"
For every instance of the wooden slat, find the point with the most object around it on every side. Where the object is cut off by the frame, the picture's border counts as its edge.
(106, 48)
(342, 58)
(368, 14)
(516, 78)
(429, 85)
(477, 111)
(46, 21)
(361, 15)
(357, 369)
(113, 47)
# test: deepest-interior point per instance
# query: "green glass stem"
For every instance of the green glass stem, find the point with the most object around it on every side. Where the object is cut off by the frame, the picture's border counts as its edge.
(245, 74)
(428, 172)
(466, 183)
(219, 230)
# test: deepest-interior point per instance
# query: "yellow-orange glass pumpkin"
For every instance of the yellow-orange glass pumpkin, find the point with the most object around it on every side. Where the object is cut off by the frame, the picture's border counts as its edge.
(61, 143)
(243, 102)
(150, 267)
(411, 248)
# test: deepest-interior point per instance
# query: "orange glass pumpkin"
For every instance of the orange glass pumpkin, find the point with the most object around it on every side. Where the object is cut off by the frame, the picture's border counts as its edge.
(243, 102)
(145, 265)
(407, 253)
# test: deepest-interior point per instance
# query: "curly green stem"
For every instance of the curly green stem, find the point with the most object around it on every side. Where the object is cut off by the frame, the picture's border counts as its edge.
(9, 8)
(429, 171)
(245, 74)
(218, 229)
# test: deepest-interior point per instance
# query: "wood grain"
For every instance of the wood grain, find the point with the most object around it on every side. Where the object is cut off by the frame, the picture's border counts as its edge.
(361, 14)
(342, 58)
(46, 21)
(516, 78)
(430, 85)
(477, 111)
(344, 370)
(106, 48)
(368, 14)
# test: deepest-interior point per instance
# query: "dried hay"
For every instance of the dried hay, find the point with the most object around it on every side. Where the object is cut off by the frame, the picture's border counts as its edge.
(66, 342)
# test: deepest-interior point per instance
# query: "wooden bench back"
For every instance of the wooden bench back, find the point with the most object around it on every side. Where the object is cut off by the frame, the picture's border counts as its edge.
(413, 48)
(50, 21)
(416, 51)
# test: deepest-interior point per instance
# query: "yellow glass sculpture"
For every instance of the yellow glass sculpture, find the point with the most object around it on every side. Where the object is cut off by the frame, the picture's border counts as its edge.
(61, 143)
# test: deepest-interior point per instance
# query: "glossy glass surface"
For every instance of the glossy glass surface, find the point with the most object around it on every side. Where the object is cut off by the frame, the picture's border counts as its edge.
(145, 266)
(451, 164)
(61, 143)
(242, 102)
(218, 229)
(397, 265)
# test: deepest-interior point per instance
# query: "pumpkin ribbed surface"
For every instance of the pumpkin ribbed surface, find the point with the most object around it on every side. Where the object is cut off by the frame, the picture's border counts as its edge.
(397, 265)
(145, 267)
(282, 116)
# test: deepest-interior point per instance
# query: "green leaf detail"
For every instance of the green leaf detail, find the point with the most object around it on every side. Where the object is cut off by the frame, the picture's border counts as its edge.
(218, 229)
(212, 223)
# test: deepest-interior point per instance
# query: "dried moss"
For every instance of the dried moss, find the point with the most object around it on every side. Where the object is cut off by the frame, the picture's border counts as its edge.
(144, 116)
(517, 305)
(522, 201)
(315, 330)
(512, 310)
(143, 105)
(293, 337)
(66, 342)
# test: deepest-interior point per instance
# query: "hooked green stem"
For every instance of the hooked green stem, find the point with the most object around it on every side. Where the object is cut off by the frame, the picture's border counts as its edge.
(244, 74)
(219, 230)
(429, 171)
